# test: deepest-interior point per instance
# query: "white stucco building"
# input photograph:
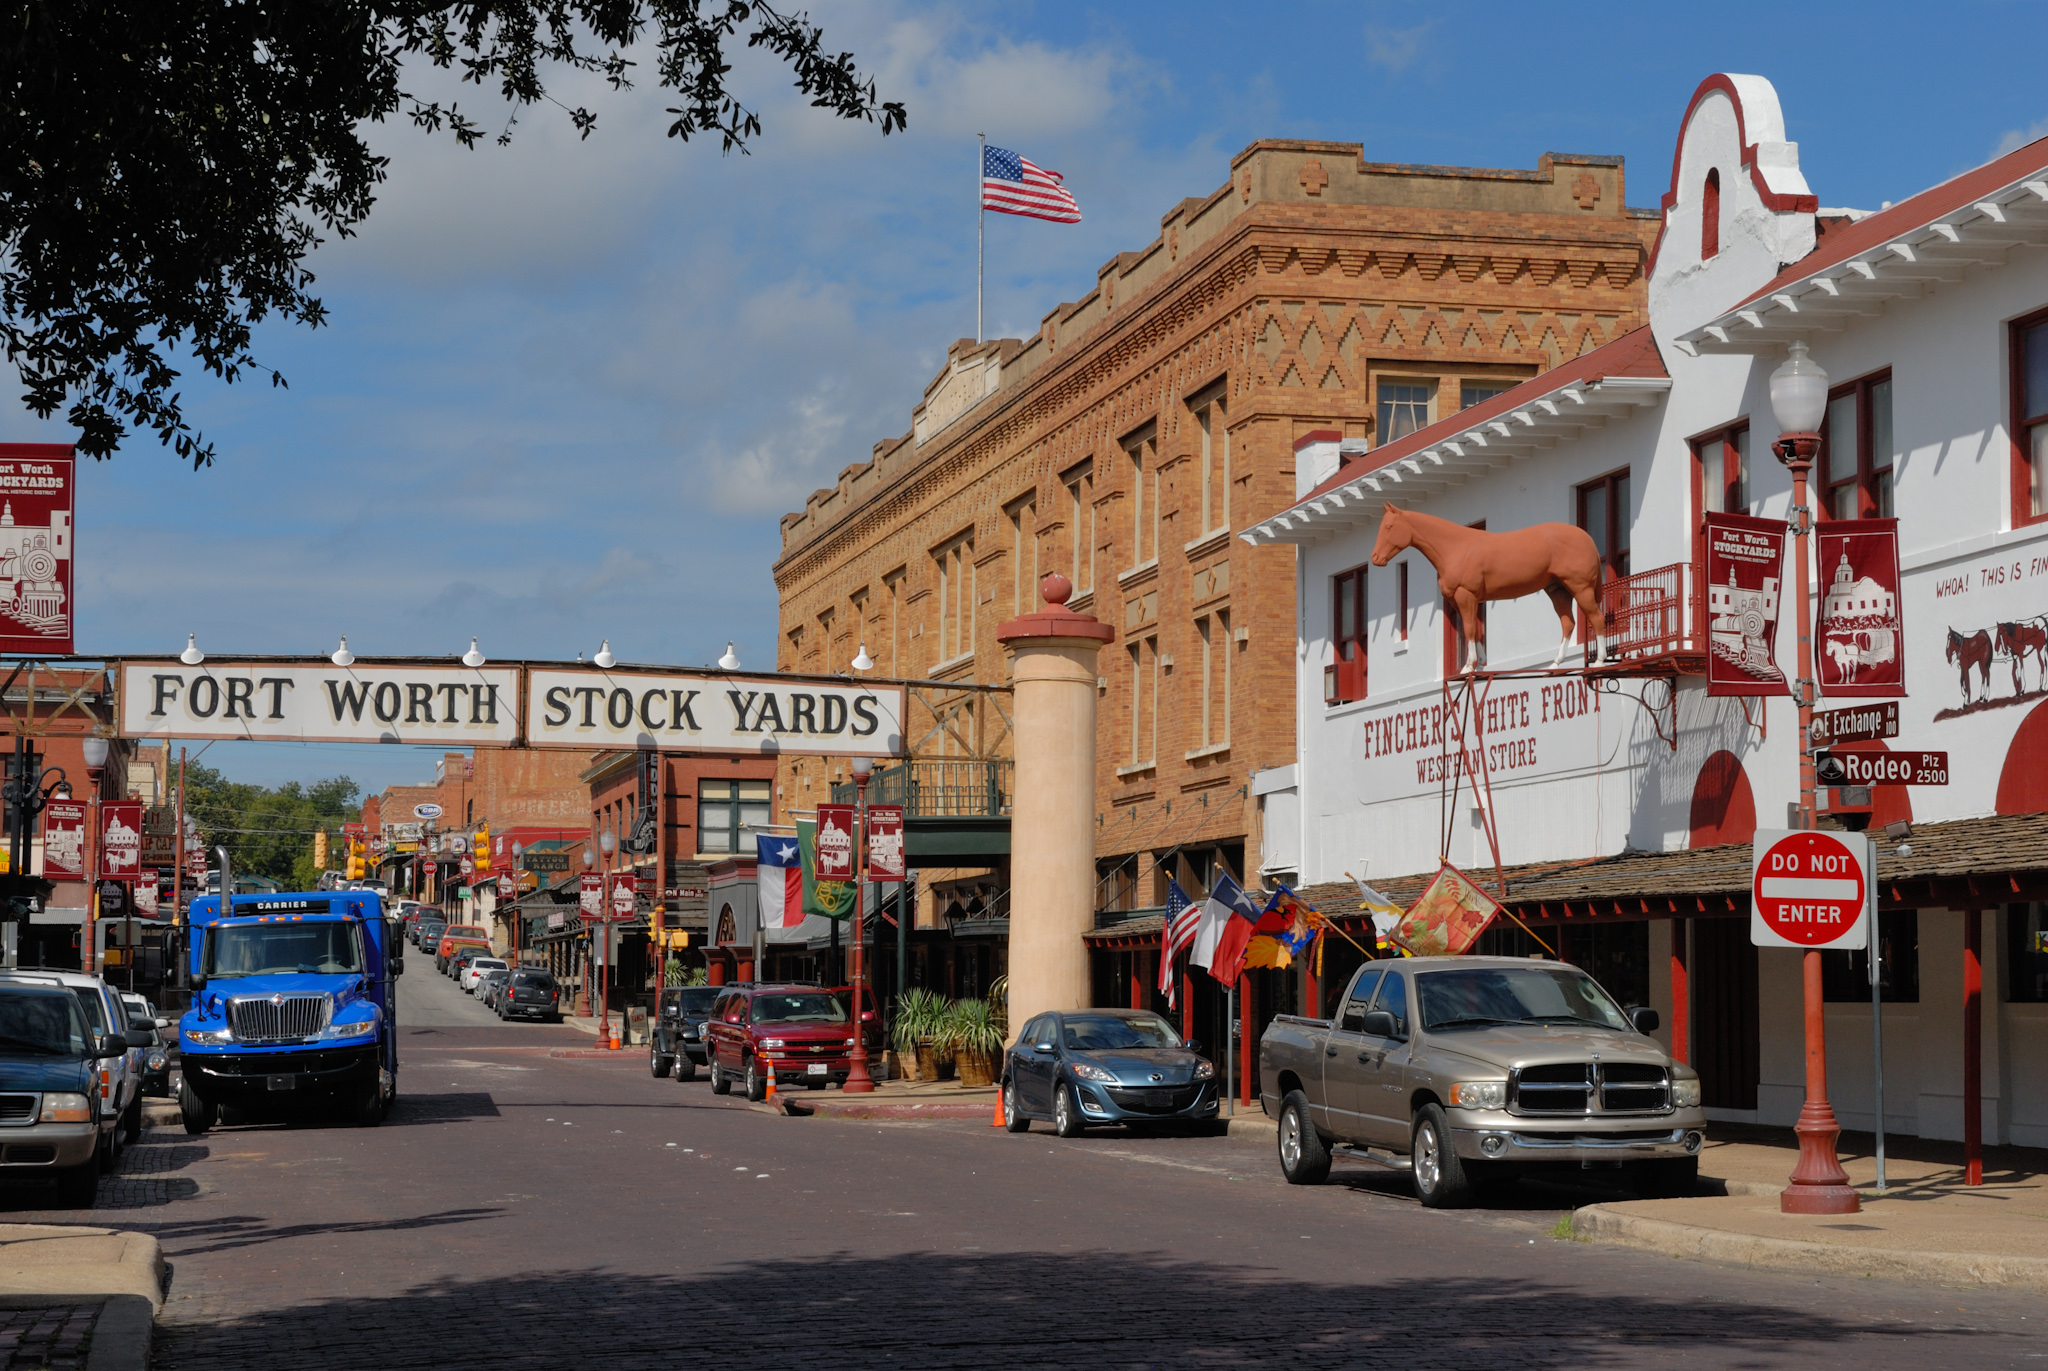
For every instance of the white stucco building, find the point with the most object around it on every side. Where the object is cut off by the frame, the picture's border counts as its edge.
(1623, 796)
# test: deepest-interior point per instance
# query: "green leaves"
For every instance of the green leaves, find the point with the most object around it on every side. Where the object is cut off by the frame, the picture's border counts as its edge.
(161, 204)
(269, 832)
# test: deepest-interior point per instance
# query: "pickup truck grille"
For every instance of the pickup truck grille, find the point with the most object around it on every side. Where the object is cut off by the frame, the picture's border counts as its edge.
(277, 1019)
(18, 1109)
(1590, 1087)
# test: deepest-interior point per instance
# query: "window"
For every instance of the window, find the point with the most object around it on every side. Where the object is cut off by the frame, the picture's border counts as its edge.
(1472, 393)
(1404, 408)
(1344, 678)
(726, 807)
(1144, 455)
(1845, 976)
(825, 641)
(1401, 610)
(2030, 418)
(1721, 467)
(1855, 467)
(1604, 513)
(893, 583)
(1353, 1018)
(1080, 484)
(1144, 701)
(1212, 631)
(1710, 217)
(956, 598)
(2026, 953)
(1024, 555)
(1394, 999)
(1213, 423)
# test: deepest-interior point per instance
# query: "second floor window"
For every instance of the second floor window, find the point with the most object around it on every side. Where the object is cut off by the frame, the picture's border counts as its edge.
(1144, 459)
(1854, 473)
(1212, 424)
(1404, 408)
(724, 808)
(1344, 678)
(1080, 484)
(2030, 418)
(956, 599)
(1722, 460)
(1604, 513)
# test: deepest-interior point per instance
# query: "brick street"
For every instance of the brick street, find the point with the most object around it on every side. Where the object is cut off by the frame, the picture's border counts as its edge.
(520, 1209)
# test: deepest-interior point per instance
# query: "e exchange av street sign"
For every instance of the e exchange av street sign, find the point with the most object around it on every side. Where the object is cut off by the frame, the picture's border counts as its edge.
(584, 708)
(1812, 888)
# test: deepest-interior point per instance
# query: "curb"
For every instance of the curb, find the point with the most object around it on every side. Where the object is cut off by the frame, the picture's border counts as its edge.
(1255, 1126)
(1762, 1190)
(121, 1335)
(1610, 1223)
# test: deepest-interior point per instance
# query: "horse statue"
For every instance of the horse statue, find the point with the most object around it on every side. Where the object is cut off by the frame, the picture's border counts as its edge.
(1965, 653)
(1474, 566)
(2016, 640)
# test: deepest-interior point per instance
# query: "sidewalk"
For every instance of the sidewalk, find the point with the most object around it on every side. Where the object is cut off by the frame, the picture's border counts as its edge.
(895, 1100)
(1926, 1226)
(79, 1297)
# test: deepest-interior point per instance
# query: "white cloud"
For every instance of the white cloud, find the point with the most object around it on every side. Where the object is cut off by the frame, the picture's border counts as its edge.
(1394, 50)
(2015, 139)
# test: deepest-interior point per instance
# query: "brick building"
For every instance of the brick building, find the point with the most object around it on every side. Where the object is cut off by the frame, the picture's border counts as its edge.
(1313, 296)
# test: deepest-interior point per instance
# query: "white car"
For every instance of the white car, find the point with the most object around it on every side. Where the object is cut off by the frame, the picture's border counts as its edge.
(474, 972)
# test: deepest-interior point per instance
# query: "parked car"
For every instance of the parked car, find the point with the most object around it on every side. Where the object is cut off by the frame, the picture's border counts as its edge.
(800, 1032)
(120, 1085)
(490, 983)
(1475, 1070)
(156, 1058)
(53, 1121)
(427, 934)
(1099, 1066)
(676, 1041)
(531, 994)
(474, 970)
(455, 937)
(458, 965)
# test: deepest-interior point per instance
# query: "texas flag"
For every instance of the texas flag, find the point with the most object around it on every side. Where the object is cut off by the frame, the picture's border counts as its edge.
(1228, 917)
(780, 870)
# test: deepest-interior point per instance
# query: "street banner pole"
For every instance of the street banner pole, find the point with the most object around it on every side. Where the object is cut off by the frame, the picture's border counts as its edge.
(1230, 1046)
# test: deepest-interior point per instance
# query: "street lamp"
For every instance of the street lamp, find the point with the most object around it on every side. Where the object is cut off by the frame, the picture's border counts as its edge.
(341, 656)
(858, 1081)
(95, 750)
(863, 662)
(517, 918)
(1799, 401)
(191, 656)
(730, 661)
(608, 844)
(604, 659)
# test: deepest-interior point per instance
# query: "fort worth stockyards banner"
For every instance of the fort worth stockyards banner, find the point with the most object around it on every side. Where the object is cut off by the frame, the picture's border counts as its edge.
(1858, 634)
(1745, 561)
(37, 502)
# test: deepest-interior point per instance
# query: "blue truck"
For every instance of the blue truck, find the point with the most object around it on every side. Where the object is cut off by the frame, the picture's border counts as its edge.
(294, 1007)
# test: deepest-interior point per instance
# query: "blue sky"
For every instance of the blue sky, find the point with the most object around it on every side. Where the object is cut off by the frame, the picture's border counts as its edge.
(569, 387)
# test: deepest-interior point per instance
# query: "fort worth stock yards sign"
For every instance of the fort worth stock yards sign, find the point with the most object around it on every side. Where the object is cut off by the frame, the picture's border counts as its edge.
(585, 708)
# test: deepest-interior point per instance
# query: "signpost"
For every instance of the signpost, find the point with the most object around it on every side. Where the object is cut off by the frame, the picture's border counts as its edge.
(1812, 888)
(1840, 766)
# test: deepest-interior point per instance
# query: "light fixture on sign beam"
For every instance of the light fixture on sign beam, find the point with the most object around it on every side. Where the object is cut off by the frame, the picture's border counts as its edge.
(863, 662)
(472, 658)
(341, 656)
(730, 661)
(604, 656)
(191, 656)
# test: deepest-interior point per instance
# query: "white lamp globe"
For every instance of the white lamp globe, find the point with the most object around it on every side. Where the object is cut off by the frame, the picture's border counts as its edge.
(1799, 393)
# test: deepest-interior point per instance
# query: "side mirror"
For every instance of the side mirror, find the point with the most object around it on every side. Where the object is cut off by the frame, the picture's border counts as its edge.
(140, 1037)
(1194, 1045)
(163, 1023)
(1044, 1049)
(1379, 1023)
(112, 1045)
(867, 1016)
(1644, 1018)
(198, 984)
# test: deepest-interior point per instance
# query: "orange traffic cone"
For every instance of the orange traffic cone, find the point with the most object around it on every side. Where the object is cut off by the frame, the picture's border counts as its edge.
(770, 1096)
(999, 1121)
(615, 1037)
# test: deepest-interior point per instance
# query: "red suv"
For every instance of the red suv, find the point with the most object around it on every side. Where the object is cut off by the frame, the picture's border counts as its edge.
(801, 1032)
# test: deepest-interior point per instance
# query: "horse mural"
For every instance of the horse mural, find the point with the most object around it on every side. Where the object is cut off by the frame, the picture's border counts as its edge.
(2016, 640)
(1964, 653)
(1474, 566)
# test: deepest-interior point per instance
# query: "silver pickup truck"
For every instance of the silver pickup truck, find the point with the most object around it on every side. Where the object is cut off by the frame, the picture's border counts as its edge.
(1474, 1071)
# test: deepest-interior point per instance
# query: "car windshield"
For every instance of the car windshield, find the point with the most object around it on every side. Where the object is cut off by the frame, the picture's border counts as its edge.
(1503, 994)
(1116, 1032)
(41, 1021)
(697, 999)
(810, 1007)
(326, 947)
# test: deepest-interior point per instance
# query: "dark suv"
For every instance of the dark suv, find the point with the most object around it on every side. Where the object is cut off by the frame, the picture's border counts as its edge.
(52, 1120)
(677, 1041)
(530, 994)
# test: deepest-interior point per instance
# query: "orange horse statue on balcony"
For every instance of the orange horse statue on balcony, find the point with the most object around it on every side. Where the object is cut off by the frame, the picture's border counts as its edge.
(1474, 566)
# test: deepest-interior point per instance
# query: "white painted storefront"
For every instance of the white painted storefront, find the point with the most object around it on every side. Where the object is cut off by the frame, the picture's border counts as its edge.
(1920, 311)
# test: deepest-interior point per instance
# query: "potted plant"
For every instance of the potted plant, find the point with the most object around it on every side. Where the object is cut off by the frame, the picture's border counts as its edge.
(975, 1031)
(919, 1022)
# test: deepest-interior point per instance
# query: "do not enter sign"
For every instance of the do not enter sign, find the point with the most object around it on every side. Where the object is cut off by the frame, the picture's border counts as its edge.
(1812, 888)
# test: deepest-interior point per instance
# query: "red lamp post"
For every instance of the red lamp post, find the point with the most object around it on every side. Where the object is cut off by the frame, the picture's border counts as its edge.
(610, 845)
(95, 750)
(1818, 1185)
(858, 1081)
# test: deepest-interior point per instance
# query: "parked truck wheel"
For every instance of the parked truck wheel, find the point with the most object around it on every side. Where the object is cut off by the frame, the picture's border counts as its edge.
(1440, 1179)
(757, 1084)
(686, 1067)
(131, 1121)
(1304, 1156)
(369, 1110)
(1667, 1178)
(198, 1115)
(657, 1065)
(109, 1155)
(78, 1186)
(720, 1084)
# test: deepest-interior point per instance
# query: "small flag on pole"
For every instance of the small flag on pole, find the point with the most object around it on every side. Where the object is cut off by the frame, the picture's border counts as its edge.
(1012, 184)
(779, 868)
(1183, 918)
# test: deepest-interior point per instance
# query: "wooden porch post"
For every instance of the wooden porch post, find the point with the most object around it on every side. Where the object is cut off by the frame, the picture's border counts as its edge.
(1973, 1047)
(1137, 979)
(1681, 995)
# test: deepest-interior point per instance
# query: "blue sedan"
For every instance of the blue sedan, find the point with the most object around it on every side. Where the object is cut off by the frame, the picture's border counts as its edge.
(1096, 1066)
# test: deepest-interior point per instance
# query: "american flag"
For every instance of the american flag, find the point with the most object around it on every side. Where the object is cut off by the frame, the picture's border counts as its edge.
(1183, 917)
(1011, 184)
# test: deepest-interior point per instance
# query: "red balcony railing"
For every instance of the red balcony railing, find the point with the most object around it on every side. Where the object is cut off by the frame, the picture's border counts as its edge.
(1654, 613)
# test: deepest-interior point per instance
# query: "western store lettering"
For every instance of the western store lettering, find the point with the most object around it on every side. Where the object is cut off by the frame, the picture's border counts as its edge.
(712, 713)
(1509, 725)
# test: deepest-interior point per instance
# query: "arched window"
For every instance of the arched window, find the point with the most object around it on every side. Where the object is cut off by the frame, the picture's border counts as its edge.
(1710, 216)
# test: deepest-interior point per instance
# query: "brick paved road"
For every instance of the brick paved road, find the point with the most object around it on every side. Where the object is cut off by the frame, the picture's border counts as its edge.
(523, 1210)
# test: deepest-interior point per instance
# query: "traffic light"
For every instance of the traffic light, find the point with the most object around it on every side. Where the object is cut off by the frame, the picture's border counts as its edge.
(320, 850)
(357, 867)
(482, 855)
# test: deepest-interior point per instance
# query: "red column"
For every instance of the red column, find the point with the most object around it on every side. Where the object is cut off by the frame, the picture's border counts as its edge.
(1187, 1005)
(1681, 995)
(1973, 1047)
(1244, 1039)
(1137, 979)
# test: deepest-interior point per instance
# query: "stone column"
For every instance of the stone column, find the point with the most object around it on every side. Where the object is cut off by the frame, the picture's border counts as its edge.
(1052, 816)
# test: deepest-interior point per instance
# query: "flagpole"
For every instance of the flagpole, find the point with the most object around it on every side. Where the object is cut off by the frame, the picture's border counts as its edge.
(980, 224)
(1230, 1048)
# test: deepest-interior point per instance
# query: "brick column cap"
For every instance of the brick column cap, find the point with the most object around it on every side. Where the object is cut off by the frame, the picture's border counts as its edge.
(1055, 621)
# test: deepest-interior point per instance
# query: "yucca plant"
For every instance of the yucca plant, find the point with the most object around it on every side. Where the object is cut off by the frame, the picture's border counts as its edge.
(920, 1014)
(973, 1027)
